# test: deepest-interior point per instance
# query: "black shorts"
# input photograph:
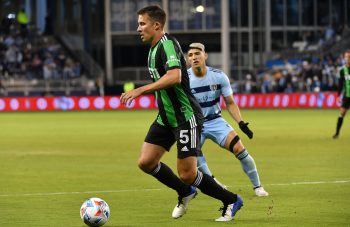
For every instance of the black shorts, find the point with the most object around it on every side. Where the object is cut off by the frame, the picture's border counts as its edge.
(345, 103)
(187, 138)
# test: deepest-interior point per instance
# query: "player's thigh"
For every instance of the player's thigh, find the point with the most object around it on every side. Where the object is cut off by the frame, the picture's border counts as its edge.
(158, 140)
(217, 130)
(150, 156)
(161, 136)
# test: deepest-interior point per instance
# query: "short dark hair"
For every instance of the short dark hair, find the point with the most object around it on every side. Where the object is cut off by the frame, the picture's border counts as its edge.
(154, 12)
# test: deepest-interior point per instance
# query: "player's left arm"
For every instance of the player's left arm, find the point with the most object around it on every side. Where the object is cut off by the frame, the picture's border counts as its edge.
(235, 113)
(233, 108)
(227, 93)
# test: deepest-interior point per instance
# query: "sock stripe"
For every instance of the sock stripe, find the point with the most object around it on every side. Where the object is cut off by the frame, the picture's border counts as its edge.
(242, 155)
(198, 179)
(156, 170)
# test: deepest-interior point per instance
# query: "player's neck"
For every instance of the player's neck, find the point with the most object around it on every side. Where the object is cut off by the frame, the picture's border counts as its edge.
(200, 71)
(157, 37)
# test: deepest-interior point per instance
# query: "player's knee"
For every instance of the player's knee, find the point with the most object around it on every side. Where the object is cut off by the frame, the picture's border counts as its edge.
(236, 145)
(145, 165)
(187, 177)
(239, 148)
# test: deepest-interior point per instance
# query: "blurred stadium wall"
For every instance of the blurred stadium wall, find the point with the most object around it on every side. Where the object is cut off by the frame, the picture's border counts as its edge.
(241, 36)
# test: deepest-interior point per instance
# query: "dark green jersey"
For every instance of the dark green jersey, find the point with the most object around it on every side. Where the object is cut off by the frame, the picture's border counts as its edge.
(344, 81)
(176, 104)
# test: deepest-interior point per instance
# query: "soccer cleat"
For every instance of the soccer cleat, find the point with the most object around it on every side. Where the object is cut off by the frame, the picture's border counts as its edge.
(180, 208)
(219, 183)
(260, 191)
(335, 136)
(229, 211)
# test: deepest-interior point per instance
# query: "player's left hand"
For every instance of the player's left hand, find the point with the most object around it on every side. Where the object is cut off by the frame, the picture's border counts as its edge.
(244, 127)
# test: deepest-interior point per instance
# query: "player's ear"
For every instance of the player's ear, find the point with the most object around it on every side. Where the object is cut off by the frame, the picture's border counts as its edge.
(157, 26)
(205, 56)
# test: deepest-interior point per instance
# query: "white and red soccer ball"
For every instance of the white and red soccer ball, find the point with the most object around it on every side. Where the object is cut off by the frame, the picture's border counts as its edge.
(94, 212)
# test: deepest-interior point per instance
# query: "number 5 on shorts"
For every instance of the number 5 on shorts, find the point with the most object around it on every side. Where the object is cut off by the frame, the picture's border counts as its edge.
(184, 136)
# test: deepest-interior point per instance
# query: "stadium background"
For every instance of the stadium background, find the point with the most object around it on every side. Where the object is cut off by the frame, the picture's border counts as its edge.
(91, 48)
(54, 57)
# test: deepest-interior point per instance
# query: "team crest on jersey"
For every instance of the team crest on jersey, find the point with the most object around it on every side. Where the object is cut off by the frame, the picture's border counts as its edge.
(214, 87)
(193, 91)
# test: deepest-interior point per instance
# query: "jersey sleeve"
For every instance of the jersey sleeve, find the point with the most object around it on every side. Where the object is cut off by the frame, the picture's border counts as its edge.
(170, 55)
(225, 85)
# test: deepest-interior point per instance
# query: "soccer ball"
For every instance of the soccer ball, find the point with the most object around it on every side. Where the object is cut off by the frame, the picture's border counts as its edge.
(94, 212)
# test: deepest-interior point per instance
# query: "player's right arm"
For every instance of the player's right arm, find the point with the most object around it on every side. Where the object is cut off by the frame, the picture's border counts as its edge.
(171, 78)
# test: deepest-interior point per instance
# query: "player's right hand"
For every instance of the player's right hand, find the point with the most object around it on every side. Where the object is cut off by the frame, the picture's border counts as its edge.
(244, 127)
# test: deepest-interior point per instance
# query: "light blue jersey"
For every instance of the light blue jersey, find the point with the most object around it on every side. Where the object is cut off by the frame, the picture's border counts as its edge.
(207, 91)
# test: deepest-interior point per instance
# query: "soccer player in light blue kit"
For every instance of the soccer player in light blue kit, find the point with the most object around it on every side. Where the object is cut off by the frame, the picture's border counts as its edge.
(208, 84)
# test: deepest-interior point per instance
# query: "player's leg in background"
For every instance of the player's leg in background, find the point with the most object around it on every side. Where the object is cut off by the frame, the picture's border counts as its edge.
(202, 164)
(339, 122)
(201, 160)
(235, 145)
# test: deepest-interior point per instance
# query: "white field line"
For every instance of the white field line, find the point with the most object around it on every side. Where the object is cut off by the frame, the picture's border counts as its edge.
(158, 189)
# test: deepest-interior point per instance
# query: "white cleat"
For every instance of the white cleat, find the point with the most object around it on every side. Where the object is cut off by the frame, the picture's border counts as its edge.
(260, 191)
(229, 211)
(180, 208)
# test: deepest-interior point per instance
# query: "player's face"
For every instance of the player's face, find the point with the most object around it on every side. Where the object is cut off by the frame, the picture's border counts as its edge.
(146, 28)
(197, 58)
(347, 59)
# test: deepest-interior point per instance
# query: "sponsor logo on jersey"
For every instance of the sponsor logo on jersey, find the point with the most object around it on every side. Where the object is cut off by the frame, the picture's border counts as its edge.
(172, 59)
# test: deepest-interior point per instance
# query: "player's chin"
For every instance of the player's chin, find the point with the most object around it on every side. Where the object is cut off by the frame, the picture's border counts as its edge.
(195, 64)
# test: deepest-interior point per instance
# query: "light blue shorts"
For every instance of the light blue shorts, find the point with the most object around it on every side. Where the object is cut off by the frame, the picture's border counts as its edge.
(216, 130)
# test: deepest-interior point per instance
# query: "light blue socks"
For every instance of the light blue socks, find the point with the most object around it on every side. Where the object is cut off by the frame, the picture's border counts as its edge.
(249, 167)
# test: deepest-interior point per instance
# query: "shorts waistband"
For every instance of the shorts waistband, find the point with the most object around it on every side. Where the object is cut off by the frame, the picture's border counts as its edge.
(211, 117)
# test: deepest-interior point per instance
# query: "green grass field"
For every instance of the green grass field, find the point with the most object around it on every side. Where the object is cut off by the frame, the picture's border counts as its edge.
(52, 162)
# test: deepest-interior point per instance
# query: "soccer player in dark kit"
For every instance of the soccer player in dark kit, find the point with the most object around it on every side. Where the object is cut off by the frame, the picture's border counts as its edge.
(343, 92)
(179, 119)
